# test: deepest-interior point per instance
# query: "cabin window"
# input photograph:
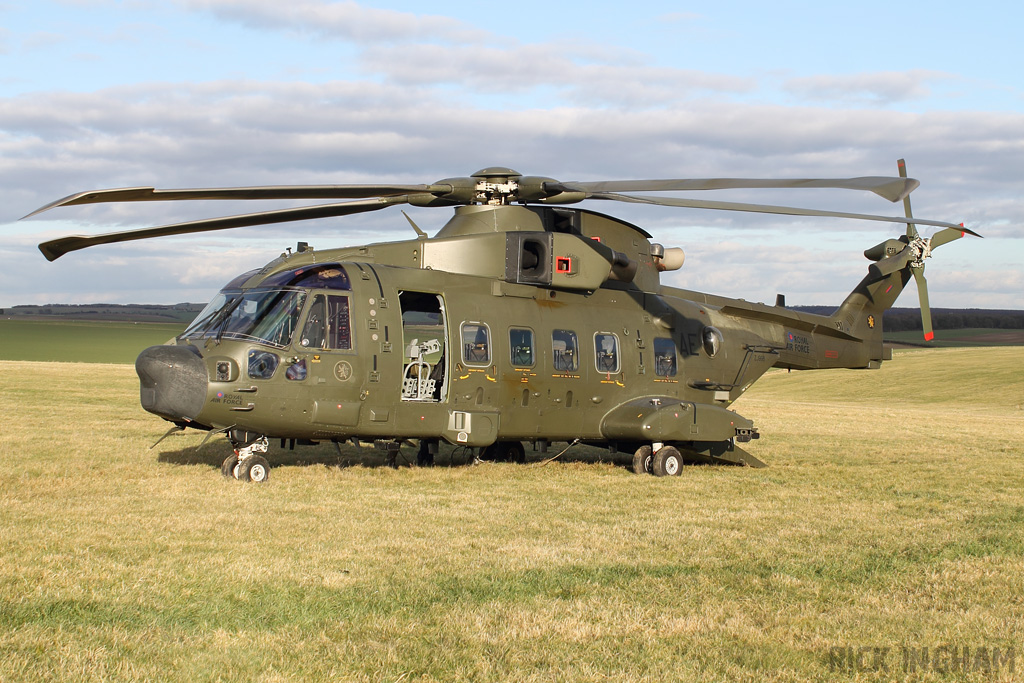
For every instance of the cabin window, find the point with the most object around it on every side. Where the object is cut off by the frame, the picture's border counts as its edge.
(606, 350)
(476, 344)
(328, 324)
(664, 357)
(565, 351)
(520, 343)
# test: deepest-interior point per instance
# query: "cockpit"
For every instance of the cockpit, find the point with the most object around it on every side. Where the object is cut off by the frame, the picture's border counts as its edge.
(269, 313)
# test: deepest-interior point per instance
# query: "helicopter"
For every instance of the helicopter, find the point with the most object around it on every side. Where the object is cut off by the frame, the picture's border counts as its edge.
(522, 319)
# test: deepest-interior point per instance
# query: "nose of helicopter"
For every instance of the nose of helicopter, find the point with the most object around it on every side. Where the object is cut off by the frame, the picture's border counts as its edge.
(173, 381)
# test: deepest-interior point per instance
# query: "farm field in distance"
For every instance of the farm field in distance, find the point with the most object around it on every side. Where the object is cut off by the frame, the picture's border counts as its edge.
(890, 518)
(81, 341)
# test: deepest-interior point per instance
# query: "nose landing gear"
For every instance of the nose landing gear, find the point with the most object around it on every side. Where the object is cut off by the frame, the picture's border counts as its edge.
(247, 463)
(661, 460)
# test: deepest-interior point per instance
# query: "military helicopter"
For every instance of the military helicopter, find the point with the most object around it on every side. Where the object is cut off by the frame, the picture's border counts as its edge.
(521, 320)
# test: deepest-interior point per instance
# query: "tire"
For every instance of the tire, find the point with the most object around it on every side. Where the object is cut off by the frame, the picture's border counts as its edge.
(667, 462)
(227, 468)
(642, 460)
(255, 469)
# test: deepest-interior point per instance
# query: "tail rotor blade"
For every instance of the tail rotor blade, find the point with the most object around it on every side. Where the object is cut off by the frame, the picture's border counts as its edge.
(911, 228)
(892, 264)
(944, 236)
(926, 311)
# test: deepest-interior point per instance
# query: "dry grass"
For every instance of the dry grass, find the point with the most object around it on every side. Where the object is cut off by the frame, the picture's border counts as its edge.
(891, 516)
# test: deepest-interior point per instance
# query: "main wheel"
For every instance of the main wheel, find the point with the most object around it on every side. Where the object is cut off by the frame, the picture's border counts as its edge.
(227, 468)
(255, 468)
(667, 462)
(642, 460)
(424, 458)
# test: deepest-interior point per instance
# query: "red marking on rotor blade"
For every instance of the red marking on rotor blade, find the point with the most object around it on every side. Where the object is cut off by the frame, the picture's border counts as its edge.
(929, 336)
(888, 289)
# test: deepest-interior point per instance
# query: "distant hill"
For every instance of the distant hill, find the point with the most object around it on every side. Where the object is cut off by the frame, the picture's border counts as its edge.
(150, 313)
(909, 319)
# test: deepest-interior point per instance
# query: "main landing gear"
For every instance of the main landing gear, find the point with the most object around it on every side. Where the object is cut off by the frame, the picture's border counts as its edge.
(247, 463)
(661, 460)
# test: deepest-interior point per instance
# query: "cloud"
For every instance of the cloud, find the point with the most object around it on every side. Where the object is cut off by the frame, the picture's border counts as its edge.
(579, 75)
(881, 88)
(341, 20)
(226, 133)
(43, 40)
(230, 133)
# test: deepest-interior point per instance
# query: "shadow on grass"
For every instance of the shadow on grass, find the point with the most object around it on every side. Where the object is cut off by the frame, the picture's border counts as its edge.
(214, 452)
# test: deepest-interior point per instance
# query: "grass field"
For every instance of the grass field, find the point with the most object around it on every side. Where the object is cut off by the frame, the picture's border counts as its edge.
(890, 520)
(978, 336)
(87, 342)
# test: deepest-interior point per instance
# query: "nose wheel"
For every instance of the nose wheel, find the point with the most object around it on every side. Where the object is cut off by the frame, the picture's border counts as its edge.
(247, 462)
(665, 461)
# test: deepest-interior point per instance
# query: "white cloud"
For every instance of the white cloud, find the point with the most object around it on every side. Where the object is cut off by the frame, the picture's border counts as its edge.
(577, 74)
(881, 88)
(341, 20)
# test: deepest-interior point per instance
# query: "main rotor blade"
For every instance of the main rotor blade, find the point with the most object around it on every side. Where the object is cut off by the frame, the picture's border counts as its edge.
(890, 188)
(926, 311)
(766, 208)
(54, 249)
(151, 194)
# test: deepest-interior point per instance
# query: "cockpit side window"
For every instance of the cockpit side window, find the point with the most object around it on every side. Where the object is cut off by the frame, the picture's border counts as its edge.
(314, 332)
(327, 324)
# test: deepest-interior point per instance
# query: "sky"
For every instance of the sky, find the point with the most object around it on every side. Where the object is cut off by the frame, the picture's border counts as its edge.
(213, 93)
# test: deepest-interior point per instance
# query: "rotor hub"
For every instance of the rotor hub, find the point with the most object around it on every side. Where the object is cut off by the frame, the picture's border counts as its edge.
(921, 249)
(496, 185)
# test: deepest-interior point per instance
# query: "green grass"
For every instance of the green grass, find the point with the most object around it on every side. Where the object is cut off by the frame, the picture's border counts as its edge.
(979, 336)
(895, 521)
(86, 342)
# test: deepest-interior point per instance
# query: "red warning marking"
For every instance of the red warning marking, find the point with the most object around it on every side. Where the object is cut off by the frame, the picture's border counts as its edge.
(929, 336)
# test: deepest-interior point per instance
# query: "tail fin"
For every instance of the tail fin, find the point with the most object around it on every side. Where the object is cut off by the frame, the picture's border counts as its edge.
(861, 313)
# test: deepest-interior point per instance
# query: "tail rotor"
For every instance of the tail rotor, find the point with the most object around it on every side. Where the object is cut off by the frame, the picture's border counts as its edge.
(917, 250)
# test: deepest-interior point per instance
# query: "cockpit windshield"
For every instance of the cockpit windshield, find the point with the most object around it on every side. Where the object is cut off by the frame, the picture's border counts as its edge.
(266, 316)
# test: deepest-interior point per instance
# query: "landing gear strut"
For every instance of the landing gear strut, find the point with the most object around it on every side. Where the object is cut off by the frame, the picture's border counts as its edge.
(247, 462)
